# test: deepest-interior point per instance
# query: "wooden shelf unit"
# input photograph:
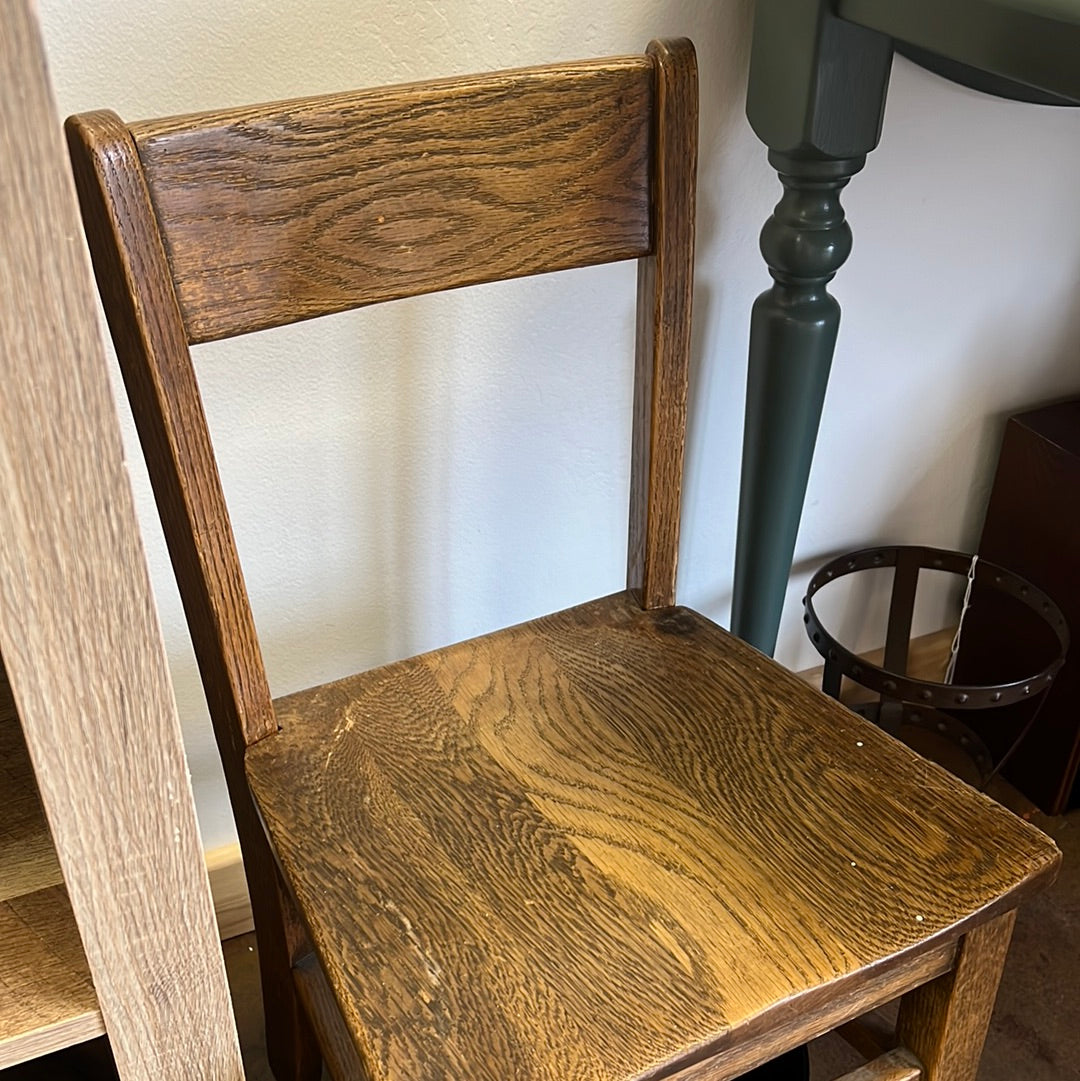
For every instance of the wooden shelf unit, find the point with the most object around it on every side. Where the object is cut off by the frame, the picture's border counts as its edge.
(47, 998)
(82, 647)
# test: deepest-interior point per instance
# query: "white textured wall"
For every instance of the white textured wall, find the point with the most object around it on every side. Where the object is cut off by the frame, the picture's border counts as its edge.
(437, 468)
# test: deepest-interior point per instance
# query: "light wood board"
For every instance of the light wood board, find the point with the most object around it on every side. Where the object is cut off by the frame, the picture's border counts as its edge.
(47, 998)
(78, 629)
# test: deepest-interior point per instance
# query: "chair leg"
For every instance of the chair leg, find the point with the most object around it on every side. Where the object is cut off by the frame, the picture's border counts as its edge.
(291, 1047)
(944, 1022)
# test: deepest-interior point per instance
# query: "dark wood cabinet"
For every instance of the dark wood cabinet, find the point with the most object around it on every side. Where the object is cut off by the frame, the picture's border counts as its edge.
(1032, 527)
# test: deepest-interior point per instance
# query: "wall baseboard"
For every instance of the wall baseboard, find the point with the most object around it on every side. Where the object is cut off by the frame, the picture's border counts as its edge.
(229, 888)
(927, 657)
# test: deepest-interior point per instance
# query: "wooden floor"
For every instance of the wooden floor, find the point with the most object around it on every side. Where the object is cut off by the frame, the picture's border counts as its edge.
(1032, 1038)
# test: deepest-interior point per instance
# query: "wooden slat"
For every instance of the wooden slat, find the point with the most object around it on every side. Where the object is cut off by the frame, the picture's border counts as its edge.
(786, 1028)
(47, 999)
(140, 304)
(895, 1065)
(500, 175)
(286, 211)
(78, 630)
(665, 294)
(335, 1041)
(142, 310)
(613, 837)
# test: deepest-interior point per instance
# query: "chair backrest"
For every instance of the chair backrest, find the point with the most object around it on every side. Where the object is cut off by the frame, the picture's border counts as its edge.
(208, 226)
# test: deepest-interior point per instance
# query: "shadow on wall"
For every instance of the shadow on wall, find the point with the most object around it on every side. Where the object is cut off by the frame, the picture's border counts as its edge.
(962, 472)
(1055, 369)
(959, 475)
(401, 493)
(368, 563)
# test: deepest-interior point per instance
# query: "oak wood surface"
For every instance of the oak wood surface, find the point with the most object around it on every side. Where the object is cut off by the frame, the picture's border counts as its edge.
(896, 1065)
(335, 1040)
(945, 1022)
(47, 999)
(780, 1030)
(151, 346)
(871, 1035)
(78, 630)
(603, 845)
(608, 844)
(565, 215)
(662, 361)
(146, 326)
(406, 190)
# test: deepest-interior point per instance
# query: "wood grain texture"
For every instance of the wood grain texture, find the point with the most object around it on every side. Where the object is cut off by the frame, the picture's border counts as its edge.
(334, 1037)
(945, 1022)
(484, 177)
(871, 1035)
(613, 843)
(296, 209)
(662, 364)
(896, 1065)
(780, 1030)
(27, 856)
(47, 998)
(78, 630)
(140, 305)
(147, 330)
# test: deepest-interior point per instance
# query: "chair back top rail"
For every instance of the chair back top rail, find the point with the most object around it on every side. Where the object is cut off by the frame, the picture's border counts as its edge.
(276, 213)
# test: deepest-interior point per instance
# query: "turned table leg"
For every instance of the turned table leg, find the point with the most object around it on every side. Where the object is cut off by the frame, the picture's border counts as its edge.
(815, 98)
(792, 335)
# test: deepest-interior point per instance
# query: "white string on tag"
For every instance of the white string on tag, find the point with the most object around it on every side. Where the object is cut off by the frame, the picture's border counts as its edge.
(955, 648)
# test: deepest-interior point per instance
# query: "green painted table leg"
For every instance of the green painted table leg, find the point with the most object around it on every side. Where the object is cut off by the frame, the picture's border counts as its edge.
(816, 97)
(792, 335)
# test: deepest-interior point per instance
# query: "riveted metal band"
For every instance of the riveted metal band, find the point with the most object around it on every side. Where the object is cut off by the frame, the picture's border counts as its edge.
(895, 685)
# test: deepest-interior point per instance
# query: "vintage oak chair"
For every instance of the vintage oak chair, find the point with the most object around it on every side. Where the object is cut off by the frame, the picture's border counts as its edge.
(610, 843)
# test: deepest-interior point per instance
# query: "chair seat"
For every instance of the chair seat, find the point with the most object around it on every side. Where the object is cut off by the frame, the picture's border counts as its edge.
(610, 843)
